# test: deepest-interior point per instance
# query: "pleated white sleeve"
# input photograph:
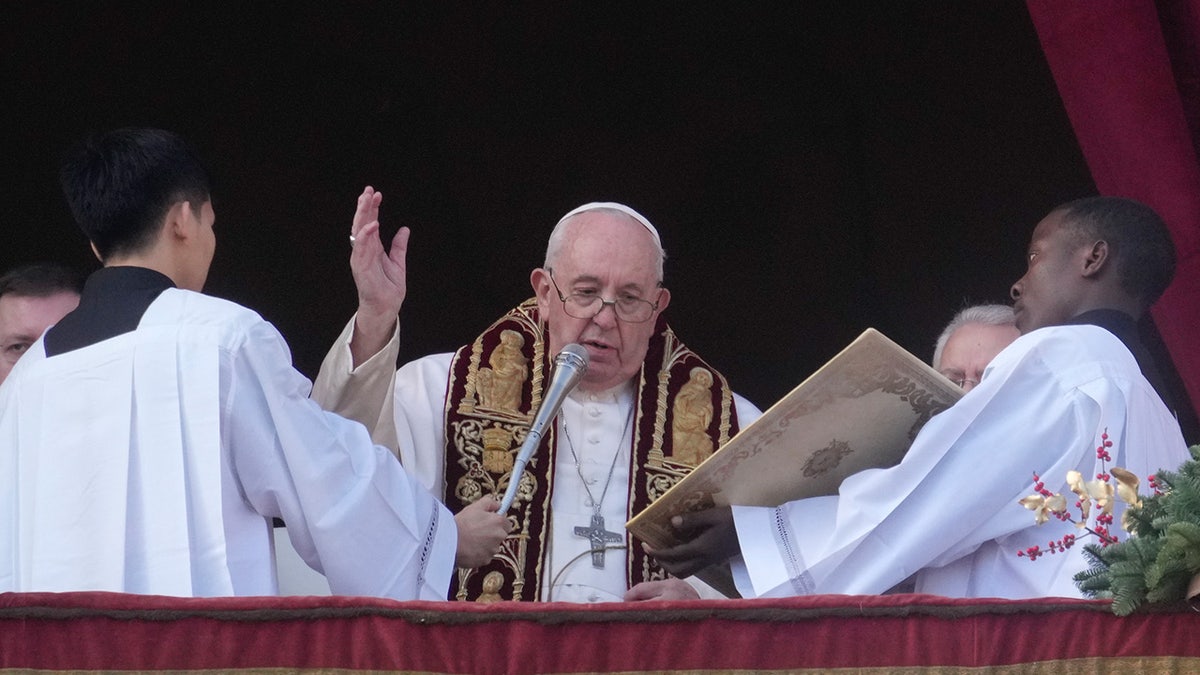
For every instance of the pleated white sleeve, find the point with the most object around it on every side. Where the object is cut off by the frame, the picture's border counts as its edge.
(154, 461)
(352, 511)
(949, 512)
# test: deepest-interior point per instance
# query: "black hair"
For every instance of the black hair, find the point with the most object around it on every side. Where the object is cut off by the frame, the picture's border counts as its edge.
(121, 184)
(1137, 238)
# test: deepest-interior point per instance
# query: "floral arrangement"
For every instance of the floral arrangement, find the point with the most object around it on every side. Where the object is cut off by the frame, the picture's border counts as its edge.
(1159, 561)
(1097, 494)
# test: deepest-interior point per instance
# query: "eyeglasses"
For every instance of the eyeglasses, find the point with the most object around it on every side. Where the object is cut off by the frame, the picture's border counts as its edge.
(588, 304)
(961, 380)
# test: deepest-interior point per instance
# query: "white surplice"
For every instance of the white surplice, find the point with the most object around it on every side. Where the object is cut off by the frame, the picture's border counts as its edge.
(949, 511)
(154, 461)
(598, 425)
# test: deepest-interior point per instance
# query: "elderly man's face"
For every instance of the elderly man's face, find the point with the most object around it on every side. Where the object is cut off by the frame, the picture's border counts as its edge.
(971, 348)
(612, 256)
(24, 318)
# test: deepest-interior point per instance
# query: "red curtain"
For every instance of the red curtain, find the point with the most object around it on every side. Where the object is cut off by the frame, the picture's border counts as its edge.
(1127, 71)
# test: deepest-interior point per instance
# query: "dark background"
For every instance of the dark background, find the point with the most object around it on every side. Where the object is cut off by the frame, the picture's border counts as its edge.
(813, 168)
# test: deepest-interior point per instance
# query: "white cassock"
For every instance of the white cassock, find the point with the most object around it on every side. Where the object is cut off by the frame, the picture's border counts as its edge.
(949, 511)
(154, 461)
(598, 424)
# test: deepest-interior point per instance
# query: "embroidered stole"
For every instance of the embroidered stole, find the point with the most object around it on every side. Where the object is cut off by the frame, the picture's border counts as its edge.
(685, 412)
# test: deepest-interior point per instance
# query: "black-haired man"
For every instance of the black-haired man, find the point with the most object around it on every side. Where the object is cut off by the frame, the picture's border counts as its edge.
(150, 437)
(949, 512)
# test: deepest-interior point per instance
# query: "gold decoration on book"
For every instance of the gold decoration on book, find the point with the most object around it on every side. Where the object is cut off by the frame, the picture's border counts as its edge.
(860, 410)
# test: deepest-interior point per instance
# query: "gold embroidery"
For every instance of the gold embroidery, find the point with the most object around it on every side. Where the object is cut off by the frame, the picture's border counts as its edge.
(498, 387)
(691, 415)
(671, 348)
(663, 471)
(497, 449)
(485, 427)
(485, 454)
(492, 582)
(486, 423)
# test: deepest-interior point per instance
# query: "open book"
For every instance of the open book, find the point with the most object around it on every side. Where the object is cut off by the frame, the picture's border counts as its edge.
(860, 410)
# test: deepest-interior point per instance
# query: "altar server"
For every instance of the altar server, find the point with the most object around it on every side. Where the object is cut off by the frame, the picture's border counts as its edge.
(150, 437)
(1076, 380)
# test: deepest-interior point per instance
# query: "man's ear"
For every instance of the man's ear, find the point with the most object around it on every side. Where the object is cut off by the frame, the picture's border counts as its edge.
(1096, 258)
(183, 219)
(96, 252)
(664, 299)
(539, 279)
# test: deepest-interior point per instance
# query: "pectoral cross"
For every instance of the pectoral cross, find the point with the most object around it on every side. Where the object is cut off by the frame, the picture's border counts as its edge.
(599, 537)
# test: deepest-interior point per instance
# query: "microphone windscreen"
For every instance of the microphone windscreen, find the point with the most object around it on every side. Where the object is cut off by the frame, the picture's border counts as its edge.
(576, 350)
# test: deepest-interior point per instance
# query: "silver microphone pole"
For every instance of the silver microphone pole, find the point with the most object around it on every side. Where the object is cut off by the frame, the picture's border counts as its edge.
(569, 367)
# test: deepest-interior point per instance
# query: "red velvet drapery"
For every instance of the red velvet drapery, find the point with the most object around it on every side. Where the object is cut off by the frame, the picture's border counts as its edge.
(1128, 73)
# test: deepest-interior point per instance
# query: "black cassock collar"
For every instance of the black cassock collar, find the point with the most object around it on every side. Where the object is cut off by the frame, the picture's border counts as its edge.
(112, 303)
(1125, 328)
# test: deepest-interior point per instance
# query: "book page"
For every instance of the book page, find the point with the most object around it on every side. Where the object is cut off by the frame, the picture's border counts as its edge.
(860, 410)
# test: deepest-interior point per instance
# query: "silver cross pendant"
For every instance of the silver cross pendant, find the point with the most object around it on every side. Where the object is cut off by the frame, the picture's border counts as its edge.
(599, 537)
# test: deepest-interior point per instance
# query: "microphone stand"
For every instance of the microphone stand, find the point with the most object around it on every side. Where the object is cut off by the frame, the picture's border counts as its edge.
(569, 367)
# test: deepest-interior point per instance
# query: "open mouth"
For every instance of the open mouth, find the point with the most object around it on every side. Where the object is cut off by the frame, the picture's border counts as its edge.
(597, 346)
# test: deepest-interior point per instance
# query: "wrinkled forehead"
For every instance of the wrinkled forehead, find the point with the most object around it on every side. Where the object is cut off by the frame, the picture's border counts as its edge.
(609, 259)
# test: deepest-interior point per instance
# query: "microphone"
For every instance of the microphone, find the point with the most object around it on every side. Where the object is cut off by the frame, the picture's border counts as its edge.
(569, 367)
